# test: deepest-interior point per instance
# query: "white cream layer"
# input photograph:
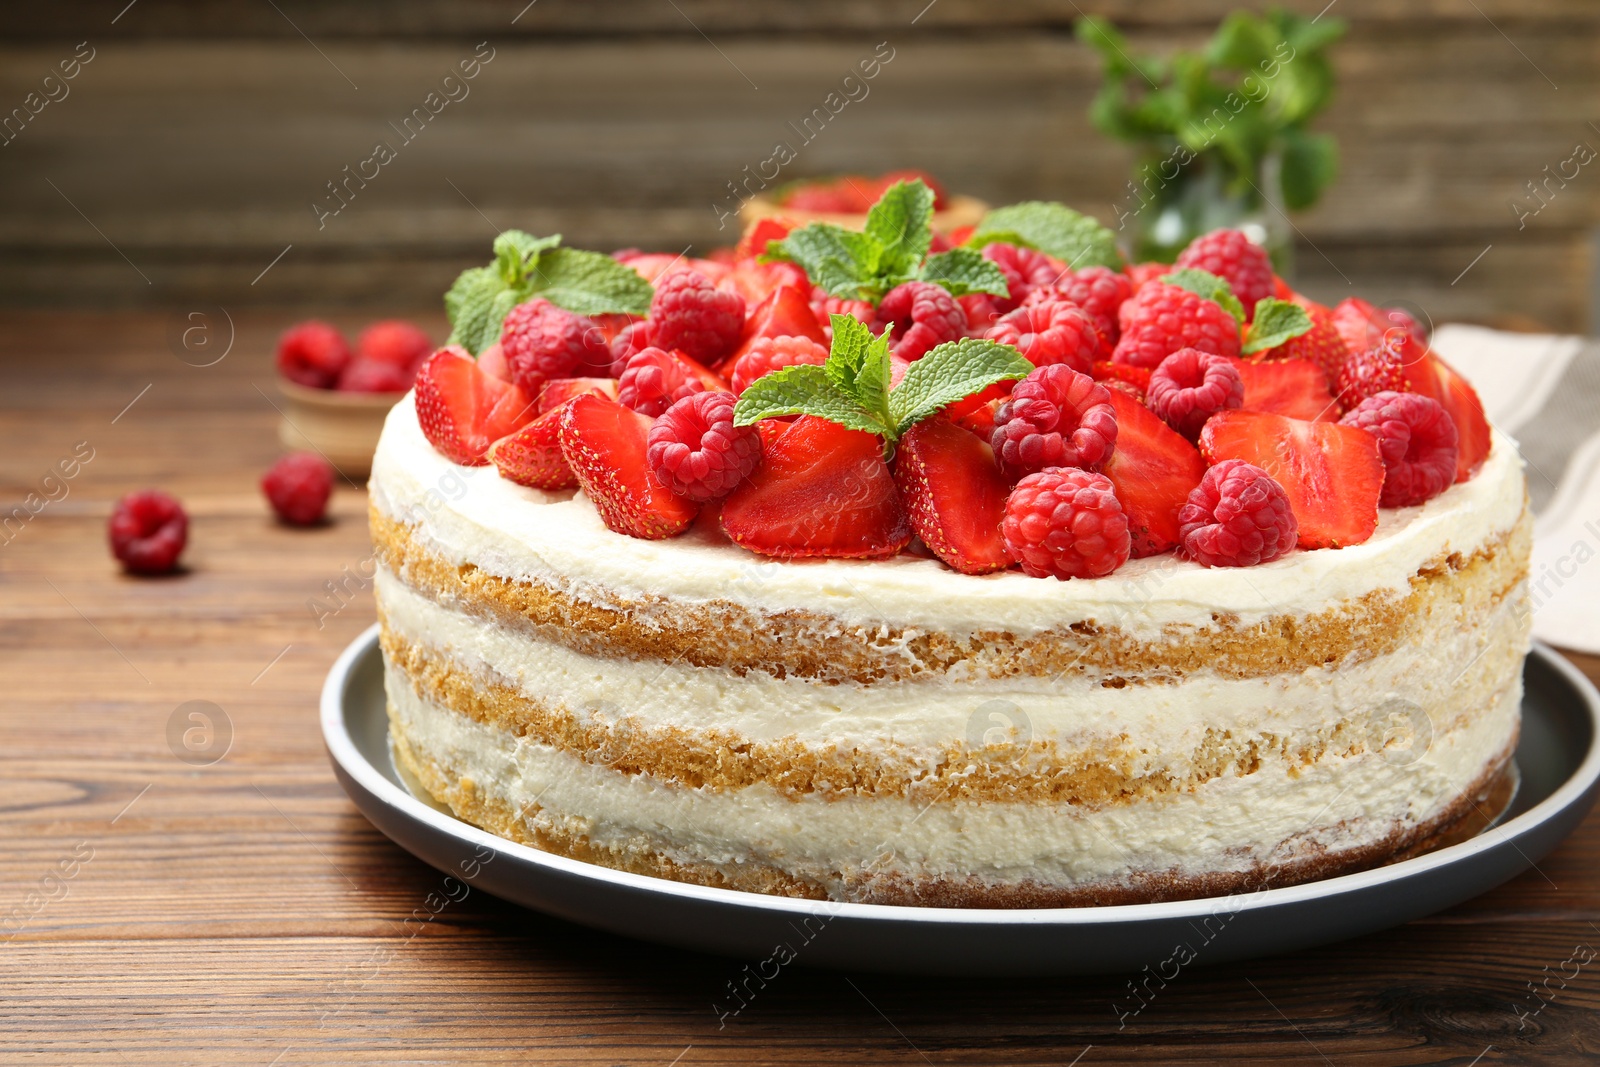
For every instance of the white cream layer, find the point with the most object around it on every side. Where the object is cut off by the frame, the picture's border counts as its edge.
(471, 515)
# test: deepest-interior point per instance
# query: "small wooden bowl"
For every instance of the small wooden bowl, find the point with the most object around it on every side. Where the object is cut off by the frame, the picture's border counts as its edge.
(342, 426)
(959, 211)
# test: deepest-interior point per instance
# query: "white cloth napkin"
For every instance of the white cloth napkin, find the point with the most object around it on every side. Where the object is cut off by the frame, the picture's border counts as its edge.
(1544, 390)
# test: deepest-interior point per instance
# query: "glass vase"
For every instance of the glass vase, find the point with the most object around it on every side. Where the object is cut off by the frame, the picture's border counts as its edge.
(1207, 195)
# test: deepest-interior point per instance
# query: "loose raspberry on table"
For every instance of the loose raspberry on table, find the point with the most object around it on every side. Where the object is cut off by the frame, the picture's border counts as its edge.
(313, 354)
(1417, 439)
(1234, 258)
(1100, 291)
(1048, 333)
(298, 487)
(1025, 269)
(654, 380)
(1366, 374)
(1190, 386)
(1162, 318)
(1055, 417)
(696, 450)
(767, 354)
(1237, 516)
(363, 375)
(396, 342)
(147, 532)
(691, 314)
(542, 342)
(1062, 522)
(922, 315)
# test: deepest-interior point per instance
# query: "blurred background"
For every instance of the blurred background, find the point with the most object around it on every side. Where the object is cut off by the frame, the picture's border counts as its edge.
(187, 159)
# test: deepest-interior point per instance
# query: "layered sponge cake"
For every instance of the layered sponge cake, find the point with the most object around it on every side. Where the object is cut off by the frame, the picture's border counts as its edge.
(1031, 689)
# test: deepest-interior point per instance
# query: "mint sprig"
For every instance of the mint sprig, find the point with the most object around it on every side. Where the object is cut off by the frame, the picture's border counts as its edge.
(1054, 229)
(1204, 283)
(890, 250)
(1275, 322)
(852, 387)
(587, 283)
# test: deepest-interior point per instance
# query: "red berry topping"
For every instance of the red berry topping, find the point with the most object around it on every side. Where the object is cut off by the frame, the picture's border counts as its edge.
(785, 313)
(1137, 378)
(1332, 473)
(541, 341)
(629, 342)
(824, 307)
(767, 354)
(756, 282)
(1153, 469)
(364, 375)
(981, 310)
(696, 450)
(313, 354)
(1055, 417)
(821, 490)
(532, 456)
(553, 394)
(148, 531)
(691, 314)
(462, 411)
(922, 315)
(1376, 370)
(1048, 333)
(1320, 345)
(1292, 387)
(654, 380)
(1231, 256)
(1025, 270)
(395, 342)
(1062, 522)
(1100, 291)
(605, 445)
(1417, 440)
(1190, 386)
(1432, 376)
(1237, 516)
(955, 494)
(298, 487)
(1162, 318)
(1142, 274)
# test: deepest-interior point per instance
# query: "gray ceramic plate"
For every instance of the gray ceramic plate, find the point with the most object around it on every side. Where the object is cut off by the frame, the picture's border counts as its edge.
(1558, 757)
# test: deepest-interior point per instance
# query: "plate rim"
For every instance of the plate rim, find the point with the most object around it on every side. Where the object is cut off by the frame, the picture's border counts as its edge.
(343, 750)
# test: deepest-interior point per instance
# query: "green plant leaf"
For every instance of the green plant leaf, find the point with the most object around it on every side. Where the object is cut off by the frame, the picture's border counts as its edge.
(858, 364)
(964, 270)
(805, 389)
(841, 261)
(1056, 230)
(1208, 285)
(516, 254)
(1274, 322)
(901, 224)
(950, 372)
(470, 302)
(590, 283)
(1310, 163)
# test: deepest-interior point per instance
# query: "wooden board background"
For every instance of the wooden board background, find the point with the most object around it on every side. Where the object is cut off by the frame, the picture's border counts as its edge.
(189, 151)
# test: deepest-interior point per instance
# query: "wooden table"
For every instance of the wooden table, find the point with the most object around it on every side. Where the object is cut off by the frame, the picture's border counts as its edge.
(157, 912)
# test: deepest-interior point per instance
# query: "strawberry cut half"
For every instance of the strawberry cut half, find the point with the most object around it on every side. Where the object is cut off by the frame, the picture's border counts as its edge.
(954, 493)
(557, 391)
(1152, 470)
(1293, 387)
(605, 443)
(1333, 478)
(821, 490)
(1431, 376)
(462, 410)
(786, 312)
(532, 456)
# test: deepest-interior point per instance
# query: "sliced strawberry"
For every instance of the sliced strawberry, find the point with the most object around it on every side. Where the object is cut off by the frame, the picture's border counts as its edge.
(558, 391)
(786, 312)
(754, 240)
(983, 398)
(1433, 377)
(604, 443)
(1291, 387)
(532, 456)
(462, 410)
(713, 381)
(492, 361)
(1106, 371)
(821, 490)
(1152, 470)
(1333, 477)
(954, 493)
(755, 281)
(772, 429)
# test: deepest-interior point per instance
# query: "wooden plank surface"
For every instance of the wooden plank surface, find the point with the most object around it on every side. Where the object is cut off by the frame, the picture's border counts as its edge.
(245, 912)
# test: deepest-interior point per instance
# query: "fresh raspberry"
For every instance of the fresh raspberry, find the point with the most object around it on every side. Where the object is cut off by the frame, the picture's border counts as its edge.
(691, 314)
(395, 342)
(148, 531)
(1055, 417)
(1190, 386)
(1321, 344)
(1231, 256)
(981, 310)
(1050, 333)
(541, 342)
(1417, 440)
(654, 380)
(825, 307)
(1142, 274)
(364, 375)
(629, 342)
(1100, 291)
(767, 354)
(298, 487)
(313, 354)
(1366, 374)
(1162, 318)
(1025, 270)
(922, 315)
(1065, 523)
(1237, 516)
(696, 450)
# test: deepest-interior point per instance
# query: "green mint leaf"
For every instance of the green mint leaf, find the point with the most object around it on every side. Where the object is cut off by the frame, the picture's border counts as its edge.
(901, 224)
(950, 372)
(476, 305)
(590, 283)
(1010, 237)
(516, 255)
(804, 389)
(858, 365)
(964, 270)
(841, 261)
(1275, 322)
(1054, 229)
(1204, 283)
